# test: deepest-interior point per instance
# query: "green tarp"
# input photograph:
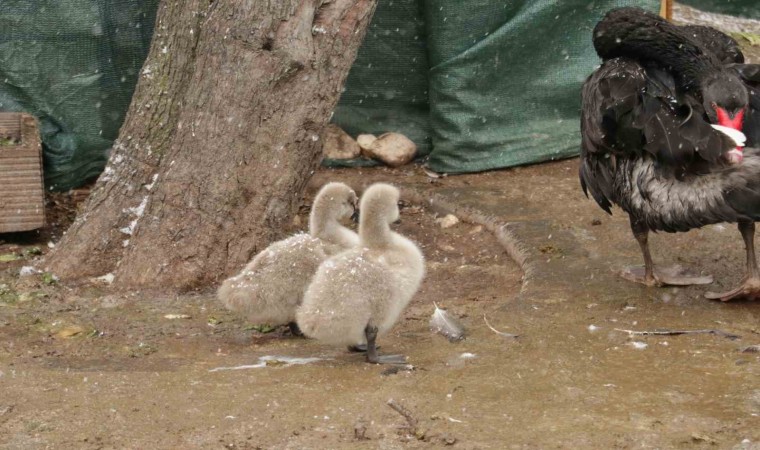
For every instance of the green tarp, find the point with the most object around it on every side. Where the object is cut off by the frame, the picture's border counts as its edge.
(501, 78)
(477, 84)
(74, 65)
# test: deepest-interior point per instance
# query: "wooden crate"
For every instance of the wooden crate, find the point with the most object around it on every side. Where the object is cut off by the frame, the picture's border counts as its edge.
(22, 192)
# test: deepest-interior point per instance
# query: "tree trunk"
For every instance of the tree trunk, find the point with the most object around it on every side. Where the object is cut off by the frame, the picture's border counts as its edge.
(219, 142)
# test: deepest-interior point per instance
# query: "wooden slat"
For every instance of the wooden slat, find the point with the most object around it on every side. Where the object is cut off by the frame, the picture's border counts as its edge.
(666, 9)
(22, 196)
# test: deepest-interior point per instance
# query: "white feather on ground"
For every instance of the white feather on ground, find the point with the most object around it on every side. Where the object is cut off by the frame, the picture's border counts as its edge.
(443, 323)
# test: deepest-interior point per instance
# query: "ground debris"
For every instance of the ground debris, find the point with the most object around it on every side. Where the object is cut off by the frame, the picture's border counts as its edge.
(177, 316)
(443, 323)
(447, 221)
(360, 430)
(751, 349)
(678, 332)
(9, 257)
(396, 368)
(500, 333)
(411, 421)
(697, 437)
(271, 361)
(70, 332)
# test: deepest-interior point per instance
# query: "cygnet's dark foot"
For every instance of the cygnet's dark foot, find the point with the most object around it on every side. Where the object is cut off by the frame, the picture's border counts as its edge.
(748, 290)
(665, 276)
(386, 359)
(294, 330)
(372, 356)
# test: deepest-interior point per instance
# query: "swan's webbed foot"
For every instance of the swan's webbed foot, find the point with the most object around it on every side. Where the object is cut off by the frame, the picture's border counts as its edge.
(294, 330)
(664, 276)
(372, 356)
(748, 290)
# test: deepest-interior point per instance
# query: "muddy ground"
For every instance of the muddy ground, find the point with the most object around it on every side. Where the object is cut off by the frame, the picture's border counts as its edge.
(87, 368)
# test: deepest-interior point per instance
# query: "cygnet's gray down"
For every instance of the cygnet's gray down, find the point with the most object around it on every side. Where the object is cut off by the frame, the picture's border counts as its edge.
(271, 286)
(359, 294)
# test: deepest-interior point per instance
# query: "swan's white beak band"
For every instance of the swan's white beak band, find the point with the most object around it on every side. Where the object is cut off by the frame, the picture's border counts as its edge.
(734, 156)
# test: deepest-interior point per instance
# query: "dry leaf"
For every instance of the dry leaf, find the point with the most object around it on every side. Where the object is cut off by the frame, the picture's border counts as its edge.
(70, 331)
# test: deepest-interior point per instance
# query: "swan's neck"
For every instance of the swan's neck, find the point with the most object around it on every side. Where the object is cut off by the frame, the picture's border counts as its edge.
(646, 37)
(330, 230)
(375, 233)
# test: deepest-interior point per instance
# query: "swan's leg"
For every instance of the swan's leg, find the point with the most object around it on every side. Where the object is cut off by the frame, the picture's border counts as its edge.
(294, 330)
(647, 275)
(750, 287)
(372, 356)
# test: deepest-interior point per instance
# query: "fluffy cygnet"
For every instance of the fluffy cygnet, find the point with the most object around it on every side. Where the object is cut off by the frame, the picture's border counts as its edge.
(359, 294)
(271, 286)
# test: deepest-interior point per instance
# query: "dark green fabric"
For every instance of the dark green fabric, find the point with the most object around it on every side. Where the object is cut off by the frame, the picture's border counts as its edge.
(503, 78)
(387, 88)
(73, 64)
(742, 8)
(477, 84)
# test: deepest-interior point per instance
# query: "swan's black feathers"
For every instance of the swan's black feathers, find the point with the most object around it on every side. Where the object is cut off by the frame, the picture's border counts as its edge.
(724, 47)
(647, 141)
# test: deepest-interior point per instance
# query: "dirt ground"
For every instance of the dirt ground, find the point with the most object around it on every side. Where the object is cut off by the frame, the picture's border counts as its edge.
(83, 367)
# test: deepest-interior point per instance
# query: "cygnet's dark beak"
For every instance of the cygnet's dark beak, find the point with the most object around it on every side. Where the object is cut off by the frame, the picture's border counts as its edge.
(355, 215)
(398, 221)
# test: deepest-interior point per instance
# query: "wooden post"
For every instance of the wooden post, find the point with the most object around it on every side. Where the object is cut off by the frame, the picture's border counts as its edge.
(666, 9)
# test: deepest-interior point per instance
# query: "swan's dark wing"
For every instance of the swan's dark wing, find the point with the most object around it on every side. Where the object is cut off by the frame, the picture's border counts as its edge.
(750, 75)
(628, 112)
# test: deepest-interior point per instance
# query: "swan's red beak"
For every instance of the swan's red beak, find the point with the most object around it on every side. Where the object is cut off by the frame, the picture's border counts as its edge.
(736, 122)
(724, 118)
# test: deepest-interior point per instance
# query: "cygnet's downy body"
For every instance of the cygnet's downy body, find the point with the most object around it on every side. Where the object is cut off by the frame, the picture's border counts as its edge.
(272, 285)
(359, 294)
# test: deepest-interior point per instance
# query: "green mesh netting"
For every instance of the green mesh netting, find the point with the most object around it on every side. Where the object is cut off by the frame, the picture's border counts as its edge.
(503, 78)
(741, 8)
(477, 85)
(74, 65)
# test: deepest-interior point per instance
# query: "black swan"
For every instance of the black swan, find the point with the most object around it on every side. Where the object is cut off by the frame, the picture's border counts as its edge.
(663, 125)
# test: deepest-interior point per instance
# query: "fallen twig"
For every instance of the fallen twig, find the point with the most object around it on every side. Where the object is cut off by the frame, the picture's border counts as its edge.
(406, 414)
(677, 332)
(501, 333)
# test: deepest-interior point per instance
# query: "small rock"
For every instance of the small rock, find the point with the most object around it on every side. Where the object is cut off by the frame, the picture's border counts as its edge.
(105, 279)
(751, 349)
(360, 431)
(596, 222)
(447, 439)
(28, 270)
(365, 140)
(476, 229)
(393, 149)
(447, 221)
(337, 144)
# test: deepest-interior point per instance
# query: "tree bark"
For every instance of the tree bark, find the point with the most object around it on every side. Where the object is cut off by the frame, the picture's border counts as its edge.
(219, 141)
